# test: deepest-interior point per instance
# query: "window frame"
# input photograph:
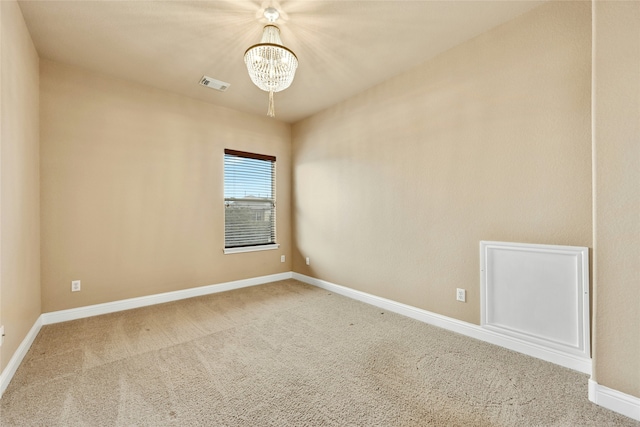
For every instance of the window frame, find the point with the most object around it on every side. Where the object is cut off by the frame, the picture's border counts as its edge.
(255, 247)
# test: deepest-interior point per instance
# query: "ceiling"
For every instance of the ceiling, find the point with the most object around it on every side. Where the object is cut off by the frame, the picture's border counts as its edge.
(343, 47)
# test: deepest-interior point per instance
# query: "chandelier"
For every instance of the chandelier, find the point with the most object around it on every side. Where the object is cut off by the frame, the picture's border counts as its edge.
(271, 66)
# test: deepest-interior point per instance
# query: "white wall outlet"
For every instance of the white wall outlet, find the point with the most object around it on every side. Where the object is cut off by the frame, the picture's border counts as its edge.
(308, 261)
(75, 286)
(1, 335)
(282, 258)
(461, 295)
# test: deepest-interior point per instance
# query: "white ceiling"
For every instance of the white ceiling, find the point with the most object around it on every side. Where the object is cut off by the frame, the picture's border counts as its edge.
(343, 47)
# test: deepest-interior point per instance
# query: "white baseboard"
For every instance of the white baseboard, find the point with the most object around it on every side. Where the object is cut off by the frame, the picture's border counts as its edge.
(474, 331)
(127, 304)
(15, 361)
(112, 307)
(608, 398)
(614, 400)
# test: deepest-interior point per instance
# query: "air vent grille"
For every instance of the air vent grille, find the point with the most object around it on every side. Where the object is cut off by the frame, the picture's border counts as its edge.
(214, 84)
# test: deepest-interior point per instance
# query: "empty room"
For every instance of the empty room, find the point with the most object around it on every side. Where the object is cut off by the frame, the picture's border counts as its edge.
(319, 213)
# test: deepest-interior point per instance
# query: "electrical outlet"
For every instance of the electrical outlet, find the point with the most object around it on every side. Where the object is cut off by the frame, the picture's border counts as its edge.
(75, 286)
(308, 261)
(282, 258)
(461, 295)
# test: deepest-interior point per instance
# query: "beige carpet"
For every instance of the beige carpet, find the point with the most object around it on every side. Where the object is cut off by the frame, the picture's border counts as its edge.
(284, 354)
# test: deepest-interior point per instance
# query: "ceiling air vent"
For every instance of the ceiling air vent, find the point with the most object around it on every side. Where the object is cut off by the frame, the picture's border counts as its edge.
(214, 84)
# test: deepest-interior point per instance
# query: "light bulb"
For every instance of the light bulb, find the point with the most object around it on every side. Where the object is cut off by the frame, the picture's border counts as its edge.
(271, 14)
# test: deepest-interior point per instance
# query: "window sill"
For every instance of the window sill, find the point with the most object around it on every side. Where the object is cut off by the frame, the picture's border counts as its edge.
(251, 249)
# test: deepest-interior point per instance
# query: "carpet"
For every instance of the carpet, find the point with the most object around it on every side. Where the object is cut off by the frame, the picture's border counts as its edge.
(284, 354)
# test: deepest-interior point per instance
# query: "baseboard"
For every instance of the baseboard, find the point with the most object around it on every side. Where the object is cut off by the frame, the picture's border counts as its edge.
(614, 400)
(474, 331)
(127, 304)
(15, 361)
(112, 307)
(603, 396)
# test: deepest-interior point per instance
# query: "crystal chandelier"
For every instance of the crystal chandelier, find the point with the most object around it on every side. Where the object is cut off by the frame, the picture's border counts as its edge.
(271, 66)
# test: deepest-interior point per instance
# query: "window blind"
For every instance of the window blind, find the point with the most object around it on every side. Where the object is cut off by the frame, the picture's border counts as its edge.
(249, 199)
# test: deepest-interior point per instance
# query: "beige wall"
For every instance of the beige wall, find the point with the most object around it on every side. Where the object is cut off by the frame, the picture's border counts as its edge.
(132, 194)
(617, 195)
(394, 188)
(19, 182)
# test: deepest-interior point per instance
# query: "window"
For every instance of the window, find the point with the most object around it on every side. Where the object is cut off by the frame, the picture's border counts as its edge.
(249, 202)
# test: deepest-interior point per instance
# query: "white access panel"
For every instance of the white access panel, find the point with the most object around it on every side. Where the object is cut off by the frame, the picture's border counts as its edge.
(537, 293)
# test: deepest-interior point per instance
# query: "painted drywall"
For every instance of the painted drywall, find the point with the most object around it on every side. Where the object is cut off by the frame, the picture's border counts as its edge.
(19, 182)
(395, 188)
(617, 195)
(132, 189)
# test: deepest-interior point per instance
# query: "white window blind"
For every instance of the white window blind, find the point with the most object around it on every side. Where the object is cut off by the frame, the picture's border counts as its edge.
(249, 199)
